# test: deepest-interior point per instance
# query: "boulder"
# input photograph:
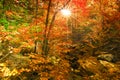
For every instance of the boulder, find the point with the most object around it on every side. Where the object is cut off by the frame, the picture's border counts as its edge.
(106, 57)
(111, 67)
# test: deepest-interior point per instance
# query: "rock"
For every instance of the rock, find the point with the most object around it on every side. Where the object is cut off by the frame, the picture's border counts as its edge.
(111, 67)
(106, 57)
(92, 69)
(90, 65)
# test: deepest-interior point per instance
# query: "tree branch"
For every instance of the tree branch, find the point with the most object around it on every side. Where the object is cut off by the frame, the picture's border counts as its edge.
(54, 16)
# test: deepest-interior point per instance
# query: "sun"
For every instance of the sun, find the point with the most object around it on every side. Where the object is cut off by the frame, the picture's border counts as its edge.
(66, 12)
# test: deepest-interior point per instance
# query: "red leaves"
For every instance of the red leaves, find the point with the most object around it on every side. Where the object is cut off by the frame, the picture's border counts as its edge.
(80, 3)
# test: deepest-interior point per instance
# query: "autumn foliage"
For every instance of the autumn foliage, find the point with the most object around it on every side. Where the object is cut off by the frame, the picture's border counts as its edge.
(38, 43)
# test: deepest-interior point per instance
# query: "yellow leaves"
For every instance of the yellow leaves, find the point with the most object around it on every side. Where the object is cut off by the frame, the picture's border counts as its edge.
(8, 37)
(24, 44)
(6, 71)
(14, 72)
(1, 29)
(54, 60)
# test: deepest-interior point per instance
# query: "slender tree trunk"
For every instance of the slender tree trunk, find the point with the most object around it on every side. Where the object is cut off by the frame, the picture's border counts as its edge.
(36, 11)
(45, 41)
(3, 4)
(36, 42)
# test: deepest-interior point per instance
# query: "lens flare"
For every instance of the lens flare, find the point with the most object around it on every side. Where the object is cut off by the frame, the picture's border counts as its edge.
(66, 12)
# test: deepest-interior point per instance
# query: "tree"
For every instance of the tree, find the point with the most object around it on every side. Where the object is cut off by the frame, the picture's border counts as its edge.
(48, 28)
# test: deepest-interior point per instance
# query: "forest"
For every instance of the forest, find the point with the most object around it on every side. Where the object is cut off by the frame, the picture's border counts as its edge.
(59, 39)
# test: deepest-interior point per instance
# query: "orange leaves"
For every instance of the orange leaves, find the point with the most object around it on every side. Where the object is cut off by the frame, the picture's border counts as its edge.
(9, 13)
(47, 69)
(23, 30)
(38, 59)
(24, 70)
(23, 33)
(61, 70)
(4, 36)
(44, 74)
(29, 34)
(16, 50)
(3, 33)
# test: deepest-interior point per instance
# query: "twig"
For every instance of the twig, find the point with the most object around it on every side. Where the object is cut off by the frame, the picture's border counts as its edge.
(5, 56)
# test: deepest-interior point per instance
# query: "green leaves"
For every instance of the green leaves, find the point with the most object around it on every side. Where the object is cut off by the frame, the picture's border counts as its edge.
(4, 22)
